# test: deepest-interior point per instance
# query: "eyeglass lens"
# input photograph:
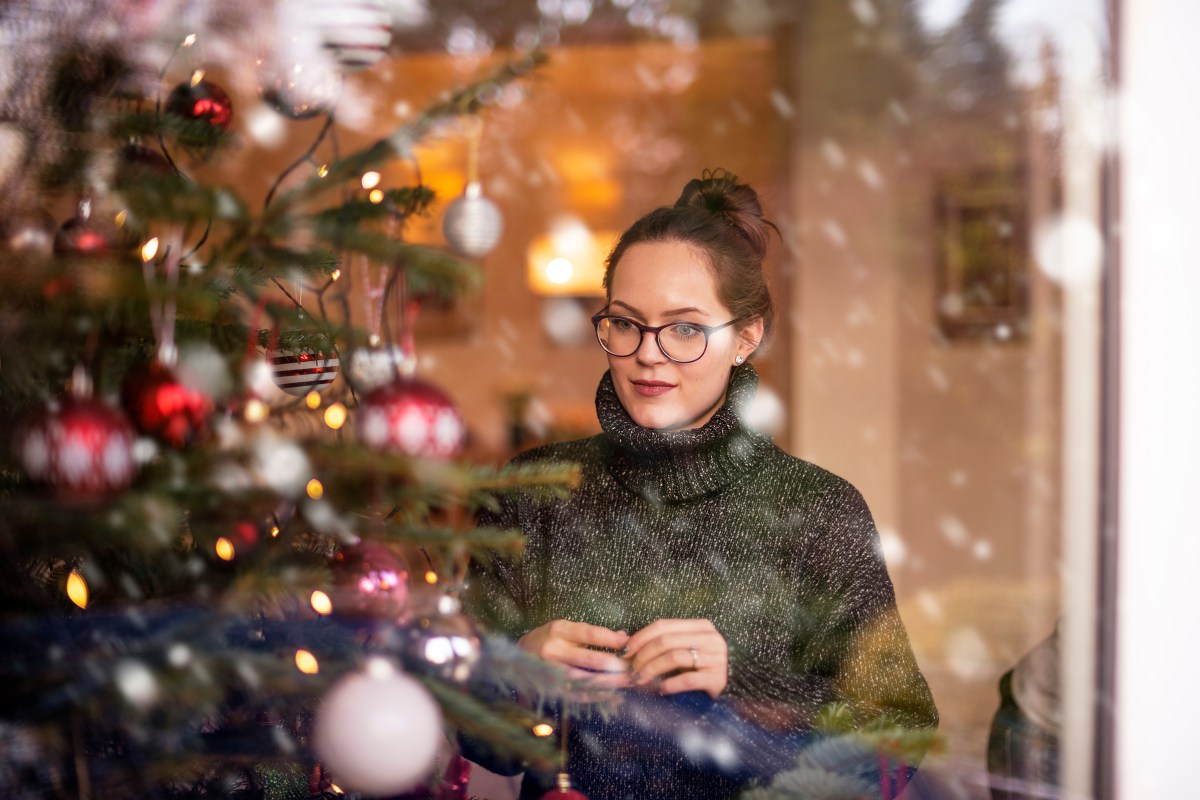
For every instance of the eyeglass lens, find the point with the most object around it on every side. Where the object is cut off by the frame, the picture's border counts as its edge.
(680, 341)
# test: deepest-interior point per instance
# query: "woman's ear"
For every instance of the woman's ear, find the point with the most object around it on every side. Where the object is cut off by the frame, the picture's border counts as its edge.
(749, 337)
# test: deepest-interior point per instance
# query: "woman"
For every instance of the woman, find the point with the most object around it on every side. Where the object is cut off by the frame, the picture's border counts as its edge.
(727, 590)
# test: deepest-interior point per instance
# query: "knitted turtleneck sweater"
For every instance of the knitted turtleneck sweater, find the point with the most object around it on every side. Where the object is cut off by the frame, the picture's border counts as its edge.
(716, 523)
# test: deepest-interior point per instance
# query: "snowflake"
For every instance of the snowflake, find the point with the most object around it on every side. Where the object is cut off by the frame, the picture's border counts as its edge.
(375, 428)
(447, 431)
(117, 460)
(413, 430)
(75, 461)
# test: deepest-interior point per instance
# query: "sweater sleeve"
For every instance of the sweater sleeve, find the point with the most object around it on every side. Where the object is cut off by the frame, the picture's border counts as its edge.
(848, 642)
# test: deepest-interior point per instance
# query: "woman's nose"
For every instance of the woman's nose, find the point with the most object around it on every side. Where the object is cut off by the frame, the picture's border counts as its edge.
(648, 351)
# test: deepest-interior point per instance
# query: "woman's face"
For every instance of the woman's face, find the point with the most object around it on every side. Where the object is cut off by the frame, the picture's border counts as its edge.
(657, 283)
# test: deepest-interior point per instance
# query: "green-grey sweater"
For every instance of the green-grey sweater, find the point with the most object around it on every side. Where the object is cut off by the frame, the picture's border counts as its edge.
(716, 523)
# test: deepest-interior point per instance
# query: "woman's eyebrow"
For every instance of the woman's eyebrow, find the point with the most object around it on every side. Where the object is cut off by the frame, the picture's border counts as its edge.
(675, 312)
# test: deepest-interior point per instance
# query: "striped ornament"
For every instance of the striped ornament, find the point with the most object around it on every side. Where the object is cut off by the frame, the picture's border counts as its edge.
(356, 32)
(299, 373)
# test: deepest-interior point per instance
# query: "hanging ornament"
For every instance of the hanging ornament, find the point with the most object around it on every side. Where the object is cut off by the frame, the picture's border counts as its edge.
(371, 367)
(370, 580)
(441, 641)
(455, 780)
(299, 372)
(473, 223)
(378, 731)
(563, 790)
(81, 237)
(299, 79)
(357, 32)
(30, 231)
(165, 408)
(411, 416)
(78, 445)
(201, 100)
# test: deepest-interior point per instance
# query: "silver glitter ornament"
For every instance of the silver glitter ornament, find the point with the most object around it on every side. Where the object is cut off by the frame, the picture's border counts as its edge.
(441, 641)
(473, 223)
(372, 367)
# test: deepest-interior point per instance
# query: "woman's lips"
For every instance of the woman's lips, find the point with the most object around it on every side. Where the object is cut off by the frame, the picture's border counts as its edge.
(652, 388)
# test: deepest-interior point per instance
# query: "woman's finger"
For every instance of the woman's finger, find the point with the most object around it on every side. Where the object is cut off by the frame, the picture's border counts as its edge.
(586, 633)
(666, 626)
(573, 655)
(673, 660)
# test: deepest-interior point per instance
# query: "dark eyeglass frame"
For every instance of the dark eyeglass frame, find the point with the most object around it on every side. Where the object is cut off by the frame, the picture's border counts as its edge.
(707, 330)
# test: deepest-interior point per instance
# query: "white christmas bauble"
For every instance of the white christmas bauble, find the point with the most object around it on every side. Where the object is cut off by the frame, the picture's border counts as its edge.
(378, 732)
(357, 32)
(369, 368)
(473, 223)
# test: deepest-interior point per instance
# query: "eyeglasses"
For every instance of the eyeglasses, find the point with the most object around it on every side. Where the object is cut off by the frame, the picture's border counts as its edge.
(682, 342)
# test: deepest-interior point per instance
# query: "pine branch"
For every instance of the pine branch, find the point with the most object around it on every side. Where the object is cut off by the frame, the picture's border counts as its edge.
(507, 734)
(468, 100)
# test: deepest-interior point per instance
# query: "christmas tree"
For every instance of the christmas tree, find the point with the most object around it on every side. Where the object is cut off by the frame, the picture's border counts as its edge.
(235, 522)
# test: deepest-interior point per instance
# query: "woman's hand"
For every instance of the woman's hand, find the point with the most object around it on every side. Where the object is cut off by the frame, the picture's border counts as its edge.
(692, 651)
(587, 651)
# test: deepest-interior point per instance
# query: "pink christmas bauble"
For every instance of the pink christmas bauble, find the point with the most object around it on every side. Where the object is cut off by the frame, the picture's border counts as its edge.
(378, 732)
(80, 446)
(412, 417)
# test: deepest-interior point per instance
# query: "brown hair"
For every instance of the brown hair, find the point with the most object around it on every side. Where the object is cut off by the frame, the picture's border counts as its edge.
(723, 220)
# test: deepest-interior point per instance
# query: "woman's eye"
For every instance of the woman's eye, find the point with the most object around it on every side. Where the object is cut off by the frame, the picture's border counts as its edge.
(621, 325)
(685, 331)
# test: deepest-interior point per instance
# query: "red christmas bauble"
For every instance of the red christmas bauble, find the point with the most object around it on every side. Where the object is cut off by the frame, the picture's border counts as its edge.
(563, 790)
(79, 236)
(80, 446)
(370, 579)
(412, 417)
(202, 101)
(164, 408)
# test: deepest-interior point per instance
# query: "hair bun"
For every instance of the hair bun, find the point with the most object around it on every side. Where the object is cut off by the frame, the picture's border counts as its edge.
(718, 192)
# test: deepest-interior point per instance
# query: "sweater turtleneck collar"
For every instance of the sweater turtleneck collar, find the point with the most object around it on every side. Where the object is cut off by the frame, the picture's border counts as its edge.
(671, 466)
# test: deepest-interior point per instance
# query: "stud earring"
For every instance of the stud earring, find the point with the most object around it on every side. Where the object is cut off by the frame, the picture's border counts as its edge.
(739, 359)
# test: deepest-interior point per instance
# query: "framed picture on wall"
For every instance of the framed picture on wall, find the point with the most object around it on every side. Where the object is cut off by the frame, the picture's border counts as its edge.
(983, 257)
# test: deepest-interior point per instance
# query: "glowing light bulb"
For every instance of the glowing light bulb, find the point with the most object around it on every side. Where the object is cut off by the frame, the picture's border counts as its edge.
(431, 577)
(150, 249)
(313, 399)
(333, 276)
(274, 531)
(315, 489)
(370, 179)
(189, 40)
(77, 589)
(542, 729)
(559, 270)
(224, 548)
(306, 662)
(256, 410)
(376, 196)
(322, 170)
(197, 76)
(335, 416)
(321, 603)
